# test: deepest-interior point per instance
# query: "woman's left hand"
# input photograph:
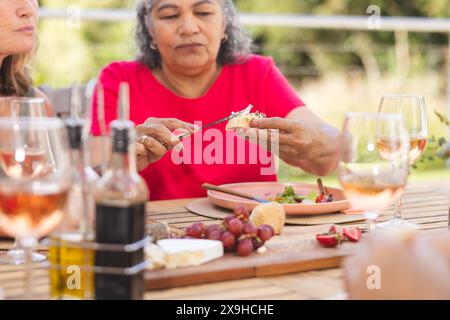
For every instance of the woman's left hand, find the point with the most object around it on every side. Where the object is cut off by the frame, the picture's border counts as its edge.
(287, 137)
(301, 139)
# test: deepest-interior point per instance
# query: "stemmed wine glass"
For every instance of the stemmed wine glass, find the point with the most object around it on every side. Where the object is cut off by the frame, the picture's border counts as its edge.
(371, 181)
(21, 107)
(414, 112)
(31, 206)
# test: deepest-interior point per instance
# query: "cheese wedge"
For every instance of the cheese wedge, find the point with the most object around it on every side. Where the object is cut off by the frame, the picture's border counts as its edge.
(243, 121)
(189, 252)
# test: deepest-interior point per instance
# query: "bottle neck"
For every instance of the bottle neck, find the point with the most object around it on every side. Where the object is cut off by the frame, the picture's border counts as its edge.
(77, 158)
(124, 161)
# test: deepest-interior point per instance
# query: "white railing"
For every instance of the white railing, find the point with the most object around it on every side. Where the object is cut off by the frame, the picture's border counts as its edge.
(368, 23)
(413, 24)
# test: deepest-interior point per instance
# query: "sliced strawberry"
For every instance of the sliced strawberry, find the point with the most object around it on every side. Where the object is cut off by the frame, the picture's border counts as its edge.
(334, 229)
(322, 199)
(353, 234)
(329, 239)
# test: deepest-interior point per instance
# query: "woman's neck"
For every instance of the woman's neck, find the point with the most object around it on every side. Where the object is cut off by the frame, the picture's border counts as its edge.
(188, 85)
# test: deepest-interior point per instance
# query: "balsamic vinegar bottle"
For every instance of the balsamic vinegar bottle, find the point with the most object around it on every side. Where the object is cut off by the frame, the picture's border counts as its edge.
(120, 195)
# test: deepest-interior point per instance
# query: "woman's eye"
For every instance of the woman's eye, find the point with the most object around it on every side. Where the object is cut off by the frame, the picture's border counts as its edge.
(169, 17)
(204, 14)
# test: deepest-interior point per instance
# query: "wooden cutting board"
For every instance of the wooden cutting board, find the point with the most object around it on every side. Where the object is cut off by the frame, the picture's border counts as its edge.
(295, 251)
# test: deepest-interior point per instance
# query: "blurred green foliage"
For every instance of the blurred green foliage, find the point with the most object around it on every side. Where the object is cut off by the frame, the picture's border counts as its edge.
(69, 54)
(95, 44)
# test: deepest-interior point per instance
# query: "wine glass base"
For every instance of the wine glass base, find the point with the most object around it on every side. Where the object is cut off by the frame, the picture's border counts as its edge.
(397, 224)
(17, 257)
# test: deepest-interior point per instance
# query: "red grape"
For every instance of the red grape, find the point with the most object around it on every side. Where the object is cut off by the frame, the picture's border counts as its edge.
(211, 228)
(242, 213)
(265, 232)
(257, 243)
(215, 234)
(235, 226)
(196, 230)
(250, 228)
(227, 219)
(228, 240)
(245, 247)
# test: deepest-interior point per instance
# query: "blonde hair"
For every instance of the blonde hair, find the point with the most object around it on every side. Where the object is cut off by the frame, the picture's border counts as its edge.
(15, 77)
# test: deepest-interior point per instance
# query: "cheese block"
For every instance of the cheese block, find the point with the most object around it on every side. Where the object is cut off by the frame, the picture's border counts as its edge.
(243, 121)
(189, 252)
(154, 256)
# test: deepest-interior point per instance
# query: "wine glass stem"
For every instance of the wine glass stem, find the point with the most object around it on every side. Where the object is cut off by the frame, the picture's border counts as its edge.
(398, 209)
(371, 218)
(28, 245)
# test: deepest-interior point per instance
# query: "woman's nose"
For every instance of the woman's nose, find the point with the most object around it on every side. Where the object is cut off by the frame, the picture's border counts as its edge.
(26, 8)
(189, 26)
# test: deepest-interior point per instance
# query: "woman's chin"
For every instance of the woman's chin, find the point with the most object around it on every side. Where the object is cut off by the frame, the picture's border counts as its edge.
(194, 64)
(24, 48)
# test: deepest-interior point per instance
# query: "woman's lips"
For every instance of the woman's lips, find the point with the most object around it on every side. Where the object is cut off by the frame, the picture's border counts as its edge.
(189, 46)
(26, 30)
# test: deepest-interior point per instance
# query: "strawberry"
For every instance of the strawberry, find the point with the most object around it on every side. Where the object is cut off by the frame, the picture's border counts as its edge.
(334, 229)
(353, 234)
(322, 199)
(329, 240)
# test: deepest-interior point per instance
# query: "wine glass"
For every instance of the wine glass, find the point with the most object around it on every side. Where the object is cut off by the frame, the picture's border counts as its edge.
(21, 107)
(414, 112)
(32, 205)
(371, 181)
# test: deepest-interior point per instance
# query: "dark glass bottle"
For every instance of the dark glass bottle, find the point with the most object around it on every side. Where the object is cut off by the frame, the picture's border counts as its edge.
(121, 195)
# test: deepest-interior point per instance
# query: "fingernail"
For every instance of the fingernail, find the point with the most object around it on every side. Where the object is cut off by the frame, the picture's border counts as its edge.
(253, 123)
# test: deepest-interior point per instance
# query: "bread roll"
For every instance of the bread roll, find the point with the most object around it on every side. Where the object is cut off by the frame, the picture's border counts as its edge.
(272, 214)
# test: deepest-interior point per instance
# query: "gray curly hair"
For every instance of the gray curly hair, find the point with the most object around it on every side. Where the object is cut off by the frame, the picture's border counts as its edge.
(237, 47)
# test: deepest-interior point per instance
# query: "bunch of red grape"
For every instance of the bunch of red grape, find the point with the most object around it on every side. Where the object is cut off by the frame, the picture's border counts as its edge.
(237, 233)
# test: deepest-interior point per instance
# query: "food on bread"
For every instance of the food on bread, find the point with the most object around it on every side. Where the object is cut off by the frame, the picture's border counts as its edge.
(243, 121)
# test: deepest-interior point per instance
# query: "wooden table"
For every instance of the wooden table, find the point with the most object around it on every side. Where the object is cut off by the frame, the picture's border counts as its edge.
(425, 203)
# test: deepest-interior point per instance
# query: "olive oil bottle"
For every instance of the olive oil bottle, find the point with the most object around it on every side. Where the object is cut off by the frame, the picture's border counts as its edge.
(120, 198)
(71, 274)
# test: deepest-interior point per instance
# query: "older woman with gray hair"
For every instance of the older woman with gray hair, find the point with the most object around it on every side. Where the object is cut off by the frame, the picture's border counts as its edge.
(195, 66)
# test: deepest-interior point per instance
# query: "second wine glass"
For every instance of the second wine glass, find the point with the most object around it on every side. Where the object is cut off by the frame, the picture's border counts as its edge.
(413, 110)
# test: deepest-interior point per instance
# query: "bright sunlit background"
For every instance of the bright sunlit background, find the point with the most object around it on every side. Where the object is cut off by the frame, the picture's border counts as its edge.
(334, 70)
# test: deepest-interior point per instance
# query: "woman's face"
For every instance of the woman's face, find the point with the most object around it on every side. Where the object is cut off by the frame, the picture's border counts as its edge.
(18, 21)
(188, 33)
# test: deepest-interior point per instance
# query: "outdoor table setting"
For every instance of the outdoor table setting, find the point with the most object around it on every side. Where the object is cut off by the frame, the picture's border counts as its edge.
(217, 155)
(264, 234)
(313, 273)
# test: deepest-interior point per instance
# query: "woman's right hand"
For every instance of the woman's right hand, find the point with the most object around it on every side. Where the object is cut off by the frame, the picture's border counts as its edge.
(156, 138)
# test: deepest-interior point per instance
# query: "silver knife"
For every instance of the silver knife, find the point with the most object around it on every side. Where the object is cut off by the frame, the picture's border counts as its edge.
(233, 115)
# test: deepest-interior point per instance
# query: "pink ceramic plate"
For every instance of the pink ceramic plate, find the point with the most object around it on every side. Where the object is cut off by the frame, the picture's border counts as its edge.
(267, 190)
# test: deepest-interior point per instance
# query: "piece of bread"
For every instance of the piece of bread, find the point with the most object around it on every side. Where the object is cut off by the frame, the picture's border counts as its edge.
(272, 214)
(243, 121)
